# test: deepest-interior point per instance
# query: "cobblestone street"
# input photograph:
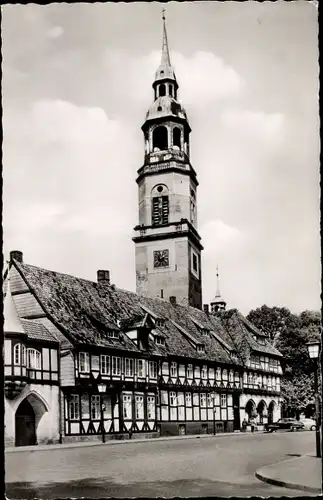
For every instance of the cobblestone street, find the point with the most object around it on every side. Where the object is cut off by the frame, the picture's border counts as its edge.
(220, 466)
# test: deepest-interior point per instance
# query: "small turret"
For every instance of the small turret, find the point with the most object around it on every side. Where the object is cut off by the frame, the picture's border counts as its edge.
(218, 304)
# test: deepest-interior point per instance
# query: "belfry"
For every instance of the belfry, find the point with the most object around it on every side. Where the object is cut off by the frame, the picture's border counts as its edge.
(168, 245)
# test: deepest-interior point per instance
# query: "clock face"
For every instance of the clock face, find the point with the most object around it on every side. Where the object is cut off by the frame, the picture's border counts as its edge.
(161, 258)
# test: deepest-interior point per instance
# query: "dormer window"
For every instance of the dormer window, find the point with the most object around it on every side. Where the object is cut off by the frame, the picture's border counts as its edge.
(159, 322)
(159, 340)
(200, 348)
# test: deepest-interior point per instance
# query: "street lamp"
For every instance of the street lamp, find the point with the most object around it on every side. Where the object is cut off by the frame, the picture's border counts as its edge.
(102, 388)
(212, 395)
(314, 352)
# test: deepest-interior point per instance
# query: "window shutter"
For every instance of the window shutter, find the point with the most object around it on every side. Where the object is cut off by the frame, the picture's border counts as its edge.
(165, 208)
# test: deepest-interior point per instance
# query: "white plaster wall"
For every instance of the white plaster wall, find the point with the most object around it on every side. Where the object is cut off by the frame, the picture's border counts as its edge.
(47, 422)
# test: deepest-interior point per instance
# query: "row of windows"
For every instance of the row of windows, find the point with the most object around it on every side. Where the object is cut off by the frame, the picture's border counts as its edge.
(205, 400)
(111, 365)
(26, 357)
(264, 363)
(202, 372)
(139, 407)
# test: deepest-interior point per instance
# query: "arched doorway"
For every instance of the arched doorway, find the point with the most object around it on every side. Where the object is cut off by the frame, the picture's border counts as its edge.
(25, 424)
(271, 408)
(261, 410)
(251, 409)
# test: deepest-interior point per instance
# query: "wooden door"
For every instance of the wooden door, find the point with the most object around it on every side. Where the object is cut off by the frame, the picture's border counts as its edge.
(25, 425)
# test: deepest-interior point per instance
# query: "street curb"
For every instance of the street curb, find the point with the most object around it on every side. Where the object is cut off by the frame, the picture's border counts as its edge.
(85, 444)
(260, 474)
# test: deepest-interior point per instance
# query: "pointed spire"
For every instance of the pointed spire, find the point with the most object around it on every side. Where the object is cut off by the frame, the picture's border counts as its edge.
(218, 304)
(165, 69)
(165, 60)
(12, 322)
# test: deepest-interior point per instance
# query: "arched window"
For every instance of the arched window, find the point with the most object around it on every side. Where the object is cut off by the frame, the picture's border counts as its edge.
(16, 356)
(162, 90)
(33, 359)
(160, 139)
(160, 205)
(186, 143)
(177, 137)
(170, 87)
(261, 410)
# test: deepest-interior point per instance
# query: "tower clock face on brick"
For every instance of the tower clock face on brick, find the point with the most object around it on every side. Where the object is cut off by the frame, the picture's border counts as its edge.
(167, 230)
(161, 258)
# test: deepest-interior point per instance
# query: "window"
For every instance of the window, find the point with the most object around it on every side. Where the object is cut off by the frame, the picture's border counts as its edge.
(188, 399)
(152, 369)
(159, 322)
(127, 413)
(33, 359)
(225, 374)
(128, 367)
(210, 400)
(160, 210)
(230, 376)
(172, 399)
(23, 355)
(189, 371)
(84, 360)
(170, 90)
(139, 406)
(200, 348)
(74, 407)
(160, 138)
(204, 372)
(218, 374)
(105, 364)
(250, 379)
(203, 400)
(159, 340)
(177, 137)
(195, 262)
(95, 408)
(140, 368)
(151, 411)
(173, 369)
(17, 354)
(223, 400)
(116, 365)
(162, 90)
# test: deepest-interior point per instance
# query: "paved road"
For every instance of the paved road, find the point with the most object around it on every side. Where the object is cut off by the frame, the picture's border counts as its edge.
(221, 466)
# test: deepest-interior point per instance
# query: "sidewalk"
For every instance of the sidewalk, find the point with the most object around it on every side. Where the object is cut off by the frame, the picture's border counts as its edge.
(301, 473)
(112, 442)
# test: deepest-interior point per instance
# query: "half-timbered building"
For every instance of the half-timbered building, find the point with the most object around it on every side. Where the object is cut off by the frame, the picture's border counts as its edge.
(85, 359)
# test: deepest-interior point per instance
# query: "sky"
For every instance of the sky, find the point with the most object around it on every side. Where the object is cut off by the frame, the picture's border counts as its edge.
(76, 87)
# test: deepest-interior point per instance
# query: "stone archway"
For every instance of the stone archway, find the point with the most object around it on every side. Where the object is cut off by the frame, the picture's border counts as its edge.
(271, 408)
(28, 415)
(262, 411)
(25, 424)
(250, 409)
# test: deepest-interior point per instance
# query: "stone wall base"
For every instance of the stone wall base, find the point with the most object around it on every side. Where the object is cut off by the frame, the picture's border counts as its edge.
(183, 428)
(109, 437)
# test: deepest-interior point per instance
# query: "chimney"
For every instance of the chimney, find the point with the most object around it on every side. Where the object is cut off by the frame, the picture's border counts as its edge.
(206, 308)
(172, 300)
(103, 277)
(16, 255)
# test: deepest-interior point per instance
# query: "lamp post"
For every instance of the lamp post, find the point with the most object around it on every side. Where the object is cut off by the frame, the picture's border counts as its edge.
(314, 353)
(102, 388)
(213, 398)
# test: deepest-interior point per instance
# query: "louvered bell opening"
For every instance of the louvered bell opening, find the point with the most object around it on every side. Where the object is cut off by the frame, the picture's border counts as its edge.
(160, 210)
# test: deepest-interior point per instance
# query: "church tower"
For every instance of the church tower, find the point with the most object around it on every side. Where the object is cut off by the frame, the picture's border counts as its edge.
(168, 245)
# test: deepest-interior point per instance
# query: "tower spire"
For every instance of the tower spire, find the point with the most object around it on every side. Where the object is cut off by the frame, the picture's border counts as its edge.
(165, 70)
(217, 304)
(165, 59)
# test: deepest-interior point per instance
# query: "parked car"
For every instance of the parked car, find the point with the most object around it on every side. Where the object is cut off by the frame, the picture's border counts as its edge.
(309, 424)
(285, 424)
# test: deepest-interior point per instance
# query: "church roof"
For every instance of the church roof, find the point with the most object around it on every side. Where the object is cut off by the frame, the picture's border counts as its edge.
(86, 312)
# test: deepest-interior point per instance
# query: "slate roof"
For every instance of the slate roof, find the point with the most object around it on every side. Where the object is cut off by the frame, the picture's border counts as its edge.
(87, 311)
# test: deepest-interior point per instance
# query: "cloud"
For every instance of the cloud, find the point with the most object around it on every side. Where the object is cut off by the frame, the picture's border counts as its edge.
(219, 237)
(55, 32)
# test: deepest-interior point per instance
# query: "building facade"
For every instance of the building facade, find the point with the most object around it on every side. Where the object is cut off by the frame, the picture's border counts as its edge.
(87, 360)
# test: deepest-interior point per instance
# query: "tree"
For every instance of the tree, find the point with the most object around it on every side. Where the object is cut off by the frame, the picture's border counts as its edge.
(289, 333)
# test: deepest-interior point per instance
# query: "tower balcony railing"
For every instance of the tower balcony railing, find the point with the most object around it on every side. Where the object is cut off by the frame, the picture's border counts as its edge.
(160, 165)
(162, 229)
